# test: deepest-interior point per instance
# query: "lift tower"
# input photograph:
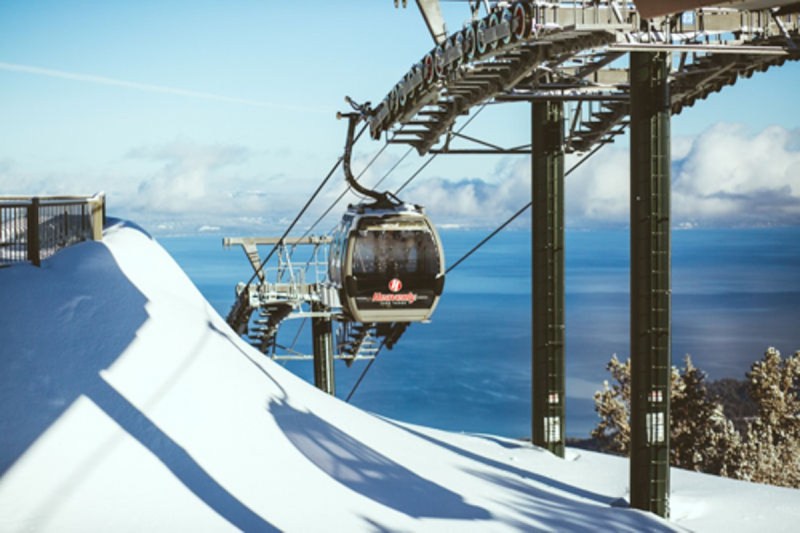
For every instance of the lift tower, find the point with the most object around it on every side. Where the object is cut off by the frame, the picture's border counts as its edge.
(650, 281)
(589, 68)
(548, 426)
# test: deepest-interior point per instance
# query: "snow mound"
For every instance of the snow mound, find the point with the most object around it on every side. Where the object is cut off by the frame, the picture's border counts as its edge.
(127, 404)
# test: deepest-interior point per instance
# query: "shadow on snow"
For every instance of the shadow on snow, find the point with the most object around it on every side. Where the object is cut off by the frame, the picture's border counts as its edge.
(368, 472)
(46, 373)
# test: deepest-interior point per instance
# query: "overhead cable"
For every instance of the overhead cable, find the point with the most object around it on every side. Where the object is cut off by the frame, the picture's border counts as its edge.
(347, 189)
(301, 213)
(475, 248)
(432, 157)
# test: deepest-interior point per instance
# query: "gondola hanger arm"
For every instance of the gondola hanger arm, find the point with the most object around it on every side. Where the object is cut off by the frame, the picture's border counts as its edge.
(361, 111)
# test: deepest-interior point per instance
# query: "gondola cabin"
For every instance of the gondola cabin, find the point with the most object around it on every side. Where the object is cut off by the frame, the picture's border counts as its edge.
(387, 264)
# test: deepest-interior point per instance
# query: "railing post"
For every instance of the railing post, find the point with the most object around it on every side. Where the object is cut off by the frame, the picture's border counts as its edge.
(34, 252)
(98, 214)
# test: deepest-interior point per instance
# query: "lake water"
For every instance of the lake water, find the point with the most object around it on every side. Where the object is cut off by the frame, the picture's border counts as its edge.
(735, 292)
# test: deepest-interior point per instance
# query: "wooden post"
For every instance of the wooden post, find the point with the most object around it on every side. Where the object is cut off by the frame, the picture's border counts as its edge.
(98, 214)
(34, 251)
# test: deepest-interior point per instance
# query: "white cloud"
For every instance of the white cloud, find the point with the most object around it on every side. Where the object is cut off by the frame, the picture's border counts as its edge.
(17, 179)
(188, 186)
(681, 146)
(733, 177)
(726, 176)
(191, 177)
(476, 201)
(598, 191)
(183, 186)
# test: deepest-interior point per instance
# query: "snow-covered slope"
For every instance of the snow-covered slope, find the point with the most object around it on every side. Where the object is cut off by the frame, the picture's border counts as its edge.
(126, 404)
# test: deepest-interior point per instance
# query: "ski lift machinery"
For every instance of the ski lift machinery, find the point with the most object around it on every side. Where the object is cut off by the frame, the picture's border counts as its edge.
(386, 260)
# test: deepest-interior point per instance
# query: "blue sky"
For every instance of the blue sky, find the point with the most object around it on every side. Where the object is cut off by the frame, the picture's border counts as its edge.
(202, 113)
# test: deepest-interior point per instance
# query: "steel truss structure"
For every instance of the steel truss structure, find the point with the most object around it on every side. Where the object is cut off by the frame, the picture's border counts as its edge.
(589, 69)
(297, 290)
(574, 52)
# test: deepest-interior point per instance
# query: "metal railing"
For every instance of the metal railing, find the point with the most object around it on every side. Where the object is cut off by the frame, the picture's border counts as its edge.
(34, 228)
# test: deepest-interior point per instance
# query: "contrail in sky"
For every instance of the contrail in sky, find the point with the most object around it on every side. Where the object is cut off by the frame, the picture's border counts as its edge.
(101, 80)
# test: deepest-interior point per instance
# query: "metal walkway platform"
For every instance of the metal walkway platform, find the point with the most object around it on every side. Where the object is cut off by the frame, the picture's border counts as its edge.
(576, 52)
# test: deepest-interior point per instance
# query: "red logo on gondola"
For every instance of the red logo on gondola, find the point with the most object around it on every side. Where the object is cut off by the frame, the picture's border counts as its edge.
(395, 285)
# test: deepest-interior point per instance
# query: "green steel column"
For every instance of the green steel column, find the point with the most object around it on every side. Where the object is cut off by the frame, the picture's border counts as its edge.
(650, 282)
(548, 276)
(322, 331)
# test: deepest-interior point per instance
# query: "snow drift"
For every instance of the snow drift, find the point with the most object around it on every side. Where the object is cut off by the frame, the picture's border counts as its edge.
(127, 404)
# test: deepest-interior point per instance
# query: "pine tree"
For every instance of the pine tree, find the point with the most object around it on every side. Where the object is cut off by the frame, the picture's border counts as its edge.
(772, 442)
(702, 437)
(775, 385)
(612, 404)
(733, 396)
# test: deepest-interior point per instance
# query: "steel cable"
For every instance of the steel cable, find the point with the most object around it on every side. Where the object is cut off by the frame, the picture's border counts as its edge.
(430, 159)
(475, 248)
(347, 189)
(302, 211)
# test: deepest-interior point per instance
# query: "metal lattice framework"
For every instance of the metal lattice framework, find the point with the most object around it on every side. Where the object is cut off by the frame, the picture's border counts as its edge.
(610, 69)
(296, 289)
(575, 52)
(591, 69)
(569, 52)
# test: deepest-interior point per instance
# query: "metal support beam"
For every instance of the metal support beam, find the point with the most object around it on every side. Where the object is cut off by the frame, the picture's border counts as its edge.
(548, 276)
(432, 14)
(701, 48)
(322, 332)
(650, 282)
